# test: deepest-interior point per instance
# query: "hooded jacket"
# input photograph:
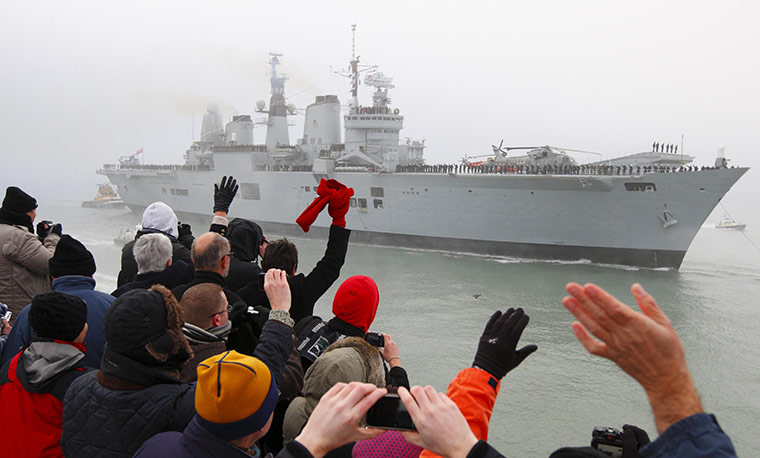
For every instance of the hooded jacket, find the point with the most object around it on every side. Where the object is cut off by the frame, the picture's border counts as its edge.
(24, 270)
(137, 392)
(32, 388)
(97, 306)
(349, 360)
(245, 239)
(157, 218)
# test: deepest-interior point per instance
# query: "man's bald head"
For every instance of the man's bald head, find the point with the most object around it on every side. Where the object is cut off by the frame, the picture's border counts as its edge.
(209, 253)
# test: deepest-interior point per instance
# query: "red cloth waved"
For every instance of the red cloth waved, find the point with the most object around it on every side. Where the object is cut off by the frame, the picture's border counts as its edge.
(337, 195)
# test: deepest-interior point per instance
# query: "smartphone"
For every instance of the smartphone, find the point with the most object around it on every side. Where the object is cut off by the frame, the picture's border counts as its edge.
(262, 275)
(8, 316)
(390, 413)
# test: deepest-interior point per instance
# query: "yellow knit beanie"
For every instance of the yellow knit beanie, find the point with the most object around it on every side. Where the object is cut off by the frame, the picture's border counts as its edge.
(235, 395)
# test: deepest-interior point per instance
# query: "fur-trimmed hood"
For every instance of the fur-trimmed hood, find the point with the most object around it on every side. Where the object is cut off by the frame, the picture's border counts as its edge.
(351, 359)
(144, 335)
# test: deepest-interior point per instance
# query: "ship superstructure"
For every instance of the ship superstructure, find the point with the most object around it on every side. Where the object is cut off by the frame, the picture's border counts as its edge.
(540, 205)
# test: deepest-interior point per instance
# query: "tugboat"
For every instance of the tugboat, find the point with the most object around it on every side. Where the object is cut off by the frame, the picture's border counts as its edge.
(728, 223)
(106, 197)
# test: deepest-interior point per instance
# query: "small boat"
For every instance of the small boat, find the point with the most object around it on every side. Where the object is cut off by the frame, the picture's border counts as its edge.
(106, 197)
(728, 223)
(125, 236)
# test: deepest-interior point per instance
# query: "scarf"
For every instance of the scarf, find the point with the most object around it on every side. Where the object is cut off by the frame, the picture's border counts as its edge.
(196, 335)
(16, 219)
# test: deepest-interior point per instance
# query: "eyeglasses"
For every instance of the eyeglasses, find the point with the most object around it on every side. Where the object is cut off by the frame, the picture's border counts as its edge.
(228, 310)
(230, 254)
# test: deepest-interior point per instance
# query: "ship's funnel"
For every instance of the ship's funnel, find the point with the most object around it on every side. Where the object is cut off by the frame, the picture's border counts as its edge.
(240, 130)
(321, 127)
(211, 128)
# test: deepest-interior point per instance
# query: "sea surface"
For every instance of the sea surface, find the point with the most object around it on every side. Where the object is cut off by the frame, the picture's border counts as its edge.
(559, 394)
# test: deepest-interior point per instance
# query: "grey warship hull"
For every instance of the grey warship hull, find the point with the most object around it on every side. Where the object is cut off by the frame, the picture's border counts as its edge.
(542, 205)
(645, 220)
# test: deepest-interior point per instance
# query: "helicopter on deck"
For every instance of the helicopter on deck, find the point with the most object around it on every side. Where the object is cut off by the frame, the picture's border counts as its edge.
(536, 155)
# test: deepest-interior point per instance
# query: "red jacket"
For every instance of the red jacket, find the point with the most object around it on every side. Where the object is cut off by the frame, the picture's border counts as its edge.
(474, 392)
(32, 403)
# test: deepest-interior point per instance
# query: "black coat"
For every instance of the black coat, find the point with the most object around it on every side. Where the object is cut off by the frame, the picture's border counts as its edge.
(305, 290)
(178, 273)
(114, 422)
(180, 252)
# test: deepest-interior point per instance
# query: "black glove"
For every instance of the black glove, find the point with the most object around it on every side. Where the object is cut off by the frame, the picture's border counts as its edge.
(496, 351)
(224, 193)
(634, 439)
(184, 230)
(57, 229)
(43, 228)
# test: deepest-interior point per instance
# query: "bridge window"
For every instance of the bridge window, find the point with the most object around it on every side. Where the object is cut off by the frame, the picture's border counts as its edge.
(362, 204)
(352, 202)
(377, 192)
(378, 203)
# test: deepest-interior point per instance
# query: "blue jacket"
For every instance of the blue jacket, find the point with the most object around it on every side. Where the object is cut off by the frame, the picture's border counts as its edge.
(193, 442)
(697, 436)
(693, 437)
(97, 305)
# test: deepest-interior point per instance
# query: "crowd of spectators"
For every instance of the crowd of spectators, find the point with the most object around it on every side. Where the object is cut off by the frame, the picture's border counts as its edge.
(209, 347)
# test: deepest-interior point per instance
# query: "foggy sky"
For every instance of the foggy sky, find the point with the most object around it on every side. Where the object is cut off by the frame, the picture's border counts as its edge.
(86, 82)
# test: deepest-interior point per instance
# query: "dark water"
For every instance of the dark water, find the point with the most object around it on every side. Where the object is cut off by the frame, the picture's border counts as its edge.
(560, 393)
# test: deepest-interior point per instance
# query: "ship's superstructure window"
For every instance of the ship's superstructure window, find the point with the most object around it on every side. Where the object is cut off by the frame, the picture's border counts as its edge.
(250, 191)
(378, 203)
(307, 188)
(644, 187)
(362, 204)
(377, 192)
(352, 202)
(163, 190)
(180, 192)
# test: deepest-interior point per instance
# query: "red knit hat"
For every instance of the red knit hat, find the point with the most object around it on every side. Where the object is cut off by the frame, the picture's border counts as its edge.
(356, 301)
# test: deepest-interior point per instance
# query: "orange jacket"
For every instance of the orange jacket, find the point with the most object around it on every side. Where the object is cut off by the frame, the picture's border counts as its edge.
(474, 392)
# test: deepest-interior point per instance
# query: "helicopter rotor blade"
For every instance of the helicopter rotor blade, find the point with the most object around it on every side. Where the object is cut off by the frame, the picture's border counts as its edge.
(575, 150)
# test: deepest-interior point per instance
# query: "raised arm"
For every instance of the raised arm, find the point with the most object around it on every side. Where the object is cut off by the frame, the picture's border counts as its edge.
(224, 193)
(277, 336)
(643, 344)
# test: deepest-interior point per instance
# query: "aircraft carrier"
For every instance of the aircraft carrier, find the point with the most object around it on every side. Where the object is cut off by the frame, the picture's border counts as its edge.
(642, 212)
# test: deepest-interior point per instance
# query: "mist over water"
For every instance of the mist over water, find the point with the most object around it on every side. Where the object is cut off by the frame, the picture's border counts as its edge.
(560, 393)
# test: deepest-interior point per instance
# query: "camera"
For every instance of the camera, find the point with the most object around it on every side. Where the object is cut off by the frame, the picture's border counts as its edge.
(390, 413)
(375, 339)
(262, 275)
(5, 312)
(608, 441)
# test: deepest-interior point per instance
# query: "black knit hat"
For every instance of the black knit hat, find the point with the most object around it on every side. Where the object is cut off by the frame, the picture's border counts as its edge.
(57, 316)
(71, 258)
(18, 201)
(146, 326)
